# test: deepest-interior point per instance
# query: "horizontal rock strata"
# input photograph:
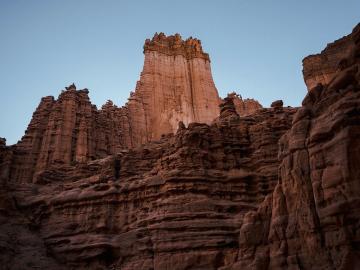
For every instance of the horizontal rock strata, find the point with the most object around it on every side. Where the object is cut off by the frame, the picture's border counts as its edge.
(176, 203)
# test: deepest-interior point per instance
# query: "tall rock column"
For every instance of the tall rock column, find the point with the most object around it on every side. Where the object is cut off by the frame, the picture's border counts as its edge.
(175, 85)
(27, 150)
(66, 137)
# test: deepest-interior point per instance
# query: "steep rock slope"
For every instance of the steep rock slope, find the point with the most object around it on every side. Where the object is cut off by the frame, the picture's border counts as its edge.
(311, 221)
(69, 130)
(20, 244)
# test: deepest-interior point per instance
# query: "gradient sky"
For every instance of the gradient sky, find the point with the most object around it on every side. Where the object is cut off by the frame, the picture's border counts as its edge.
(256, 47)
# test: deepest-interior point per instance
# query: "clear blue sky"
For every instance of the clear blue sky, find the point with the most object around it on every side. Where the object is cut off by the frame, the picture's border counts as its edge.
(256, 47)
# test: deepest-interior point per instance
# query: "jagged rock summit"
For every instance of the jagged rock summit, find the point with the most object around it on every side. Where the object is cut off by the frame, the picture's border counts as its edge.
(174, 45)
(245, 106)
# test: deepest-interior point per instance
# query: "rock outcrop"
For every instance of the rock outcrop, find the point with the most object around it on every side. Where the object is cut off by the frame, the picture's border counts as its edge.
(277, 104)
(175, 85)
(321, 68)
(245, 106)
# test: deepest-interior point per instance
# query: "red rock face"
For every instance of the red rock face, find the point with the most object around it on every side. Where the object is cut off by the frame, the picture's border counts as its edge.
(69, 130)
(276, 188)
(172, 204)
(175, 85)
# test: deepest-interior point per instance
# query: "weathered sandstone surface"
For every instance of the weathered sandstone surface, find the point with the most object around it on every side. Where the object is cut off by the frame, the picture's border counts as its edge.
(69, 130)
(276, 188)
(176, 203)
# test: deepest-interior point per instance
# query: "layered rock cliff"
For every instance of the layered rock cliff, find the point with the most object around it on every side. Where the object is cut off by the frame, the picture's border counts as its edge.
(172, 204)
(274, 189)
(311, 221)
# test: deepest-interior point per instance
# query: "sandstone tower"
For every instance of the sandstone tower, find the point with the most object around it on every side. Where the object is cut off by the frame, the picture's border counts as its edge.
(175, 85)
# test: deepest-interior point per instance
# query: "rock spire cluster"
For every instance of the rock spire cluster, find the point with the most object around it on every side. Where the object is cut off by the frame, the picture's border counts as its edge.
(169, 182)
(175, 85)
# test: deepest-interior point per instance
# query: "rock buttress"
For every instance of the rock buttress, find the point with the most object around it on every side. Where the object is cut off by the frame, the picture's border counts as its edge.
(311, 220)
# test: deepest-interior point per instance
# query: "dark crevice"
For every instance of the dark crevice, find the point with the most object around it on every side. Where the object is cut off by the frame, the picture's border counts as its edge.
(117, 167)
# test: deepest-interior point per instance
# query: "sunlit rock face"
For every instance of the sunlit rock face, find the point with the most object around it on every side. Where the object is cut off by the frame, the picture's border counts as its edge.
(175, 85)
(246, 188)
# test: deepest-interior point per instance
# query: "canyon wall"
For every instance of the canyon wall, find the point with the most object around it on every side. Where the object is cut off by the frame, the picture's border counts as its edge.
(276, 188)
(311, 221)
(176, 203)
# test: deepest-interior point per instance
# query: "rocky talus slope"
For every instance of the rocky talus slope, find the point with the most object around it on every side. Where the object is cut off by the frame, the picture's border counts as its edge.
(277, 188)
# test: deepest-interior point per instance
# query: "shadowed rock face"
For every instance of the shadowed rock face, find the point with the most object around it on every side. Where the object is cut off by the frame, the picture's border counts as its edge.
(276, 189)
(311, 221)
(321, 68)
(177, 203)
